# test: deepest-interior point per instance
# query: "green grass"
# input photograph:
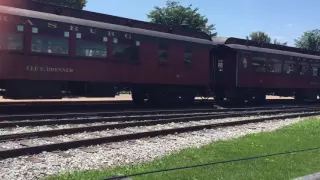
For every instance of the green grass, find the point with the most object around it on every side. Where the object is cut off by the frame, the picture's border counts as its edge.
(299, 136)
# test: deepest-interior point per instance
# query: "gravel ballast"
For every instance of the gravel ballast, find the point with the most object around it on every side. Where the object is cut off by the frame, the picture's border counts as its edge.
(114, 154)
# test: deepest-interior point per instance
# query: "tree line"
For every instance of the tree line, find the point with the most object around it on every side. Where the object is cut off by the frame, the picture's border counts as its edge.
(175, 14)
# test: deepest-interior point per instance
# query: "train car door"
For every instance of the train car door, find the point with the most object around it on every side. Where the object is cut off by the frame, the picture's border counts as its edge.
(224, 69)
(218, 66)
(244, 69)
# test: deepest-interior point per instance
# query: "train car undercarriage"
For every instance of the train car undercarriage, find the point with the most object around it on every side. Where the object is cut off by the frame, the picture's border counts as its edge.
(141, 93)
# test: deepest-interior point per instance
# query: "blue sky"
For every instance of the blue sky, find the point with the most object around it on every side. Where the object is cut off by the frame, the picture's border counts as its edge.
(285, 20)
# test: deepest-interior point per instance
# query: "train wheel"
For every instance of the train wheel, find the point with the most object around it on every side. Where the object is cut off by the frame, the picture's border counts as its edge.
(188, 99)
(299, 97)
(138, 98)
(259, 99)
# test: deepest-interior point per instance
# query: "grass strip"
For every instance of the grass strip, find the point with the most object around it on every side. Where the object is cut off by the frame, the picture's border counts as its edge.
(302, 135)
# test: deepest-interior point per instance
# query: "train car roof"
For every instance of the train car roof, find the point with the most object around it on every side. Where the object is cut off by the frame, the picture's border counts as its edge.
(58, 9)
(232, 40)
(272, 51)
(90, 23)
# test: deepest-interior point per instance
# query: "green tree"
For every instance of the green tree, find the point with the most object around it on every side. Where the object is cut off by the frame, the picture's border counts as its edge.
(309, 40)
(77, 4)
(275, 41)
(174, 14)
(259, 36)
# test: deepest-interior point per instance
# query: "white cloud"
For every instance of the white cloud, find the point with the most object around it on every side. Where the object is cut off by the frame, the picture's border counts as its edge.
(289, 25)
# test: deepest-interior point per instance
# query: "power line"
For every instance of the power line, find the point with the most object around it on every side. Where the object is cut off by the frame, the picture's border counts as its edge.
(211, 163)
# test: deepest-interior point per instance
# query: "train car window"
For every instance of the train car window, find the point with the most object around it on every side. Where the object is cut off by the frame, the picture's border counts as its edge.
(35, 30)
(163, 53)
(274, 66)
(315, 69)
(91, 49)
(78, 35)
(188, 56)
(125, 49)
(20, 28)
(290, 67)
(12, 41)
(54, 45)
(259, 64)
(220, 65)
(303, 68)
(67, 34)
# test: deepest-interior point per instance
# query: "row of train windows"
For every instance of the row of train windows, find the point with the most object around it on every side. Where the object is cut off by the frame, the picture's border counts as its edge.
(55, 45)
(275, 66)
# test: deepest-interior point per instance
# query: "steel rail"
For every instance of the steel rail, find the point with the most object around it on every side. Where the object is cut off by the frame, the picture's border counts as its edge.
(132, 113)
(143, 118)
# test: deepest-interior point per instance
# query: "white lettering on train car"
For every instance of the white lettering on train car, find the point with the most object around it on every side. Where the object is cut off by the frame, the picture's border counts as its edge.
(52, 25)
(28, 22)
(74, 28)
(93, 31)
(48, 69)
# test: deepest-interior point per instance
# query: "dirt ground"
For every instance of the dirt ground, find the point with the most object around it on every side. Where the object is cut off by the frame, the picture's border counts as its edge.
(122, 97)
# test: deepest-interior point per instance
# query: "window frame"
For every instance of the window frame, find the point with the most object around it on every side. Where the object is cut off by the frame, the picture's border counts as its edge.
(271, 58)
(259, 55)
(51, 36)
(13, 29)
(188, 50)
(126, 42)
(106, 44)
(295, 63)
(304, 61)
(160, 48)
(314, 63)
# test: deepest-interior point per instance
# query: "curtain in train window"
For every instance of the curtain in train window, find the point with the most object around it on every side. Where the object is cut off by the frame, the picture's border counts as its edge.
(11, 41)
(91, 49)
(54, 45)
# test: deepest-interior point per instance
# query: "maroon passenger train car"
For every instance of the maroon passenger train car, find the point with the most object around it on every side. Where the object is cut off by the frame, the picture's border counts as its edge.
(246, 70)
(43, 54)
(46, 50)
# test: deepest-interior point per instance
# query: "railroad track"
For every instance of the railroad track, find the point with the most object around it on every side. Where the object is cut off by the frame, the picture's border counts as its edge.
(23, 108)
(160, 116)
(79, 106)
(133, 113)
(33, 142)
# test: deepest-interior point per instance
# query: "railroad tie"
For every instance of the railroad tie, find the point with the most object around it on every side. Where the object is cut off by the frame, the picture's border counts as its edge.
(34, 159)
(168, 138)
(2, 148)
(62, 154)
(53, 140)
(128, 131)
(89, 150)
(27, 143)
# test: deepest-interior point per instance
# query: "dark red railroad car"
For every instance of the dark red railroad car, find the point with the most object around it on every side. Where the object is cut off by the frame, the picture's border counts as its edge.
(246, 70)
(43, 54)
